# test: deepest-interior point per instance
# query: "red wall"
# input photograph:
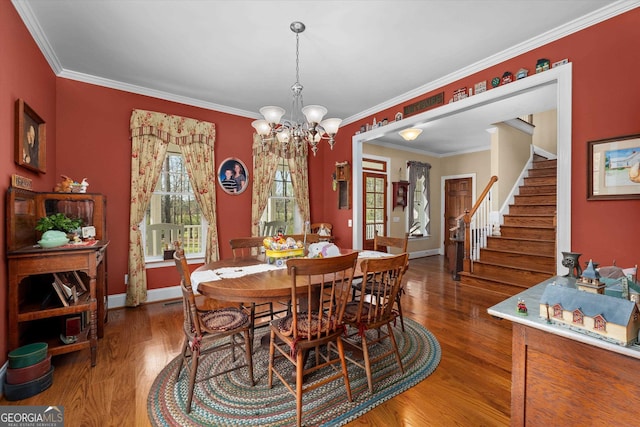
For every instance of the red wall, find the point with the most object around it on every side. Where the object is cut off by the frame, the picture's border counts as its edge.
(606, 103)
(25, 74)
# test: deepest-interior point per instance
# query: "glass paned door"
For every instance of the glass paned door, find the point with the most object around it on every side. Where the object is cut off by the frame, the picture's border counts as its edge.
(375, 207)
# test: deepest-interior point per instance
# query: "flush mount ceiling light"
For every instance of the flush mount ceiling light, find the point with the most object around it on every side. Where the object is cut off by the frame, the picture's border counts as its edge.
(410, 134)
(294, 133)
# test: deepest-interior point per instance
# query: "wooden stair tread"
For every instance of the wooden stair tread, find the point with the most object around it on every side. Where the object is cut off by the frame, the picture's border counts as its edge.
(545, 227)
(491, 279)
(518, 253)
(532, 215)
(533, 204)
(522, 239)
(511, 267)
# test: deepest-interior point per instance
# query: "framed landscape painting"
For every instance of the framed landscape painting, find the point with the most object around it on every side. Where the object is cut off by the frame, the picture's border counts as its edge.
(613, 170)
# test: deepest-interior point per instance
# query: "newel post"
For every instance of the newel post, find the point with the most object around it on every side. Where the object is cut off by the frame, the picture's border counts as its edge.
(466, 263)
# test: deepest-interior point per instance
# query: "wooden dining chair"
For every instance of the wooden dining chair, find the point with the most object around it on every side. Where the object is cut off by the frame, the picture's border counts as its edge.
(244, 247)
(316, 321)
(374, 311)
(204, 331)
(387, 244)
(323, 229)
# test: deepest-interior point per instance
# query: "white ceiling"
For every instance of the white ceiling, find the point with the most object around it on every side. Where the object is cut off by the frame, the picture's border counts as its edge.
(356, 57)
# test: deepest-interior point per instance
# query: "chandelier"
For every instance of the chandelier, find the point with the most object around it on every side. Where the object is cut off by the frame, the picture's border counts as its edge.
(294, 134)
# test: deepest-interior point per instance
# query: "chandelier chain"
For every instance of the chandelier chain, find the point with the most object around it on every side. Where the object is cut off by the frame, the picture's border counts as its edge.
(297, 58)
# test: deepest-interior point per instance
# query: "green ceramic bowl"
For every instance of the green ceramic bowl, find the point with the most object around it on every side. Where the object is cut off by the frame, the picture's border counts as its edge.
(53, 238)
(28, 355)
(52, 243)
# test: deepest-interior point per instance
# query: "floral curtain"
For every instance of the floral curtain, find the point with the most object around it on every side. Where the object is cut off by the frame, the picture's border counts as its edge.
(416, 171)
(264, 163)
(300, 180)
(151, 134)
(265, 160)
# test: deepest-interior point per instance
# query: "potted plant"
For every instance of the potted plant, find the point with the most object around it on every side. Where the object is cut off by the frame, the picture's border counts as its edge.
(60, 222)
(56, 228)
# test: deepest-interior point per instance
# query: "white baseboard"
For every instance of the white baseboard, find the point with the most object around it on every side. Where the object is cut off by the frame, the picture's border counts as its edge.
(154, 295)
(421, 254)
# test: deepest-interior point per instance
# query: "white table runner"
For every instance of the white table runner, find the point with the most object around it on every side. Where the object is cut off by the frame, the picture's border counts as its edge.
(198, 277)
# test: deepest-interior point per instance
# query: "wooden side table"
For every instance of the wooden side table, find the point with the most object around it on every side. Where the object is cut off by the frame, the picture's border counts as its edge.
(30, 275)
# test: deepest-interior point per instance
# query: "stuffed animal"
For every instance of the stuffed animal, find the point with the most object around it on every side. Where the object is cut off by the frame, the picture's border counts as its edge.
(323, 250)
(63, 186)
(330, 250)
(316, 248)
(83, 185)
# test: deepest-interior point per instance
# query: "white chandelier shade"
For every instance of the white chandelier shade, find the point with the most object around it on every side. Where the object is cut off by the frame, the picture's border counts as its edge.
(294, 133)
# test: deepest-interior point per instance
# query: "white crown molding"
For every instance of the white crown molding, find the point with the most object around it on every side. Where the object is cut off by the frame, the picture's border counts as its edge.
(141, 90)
(586, 21)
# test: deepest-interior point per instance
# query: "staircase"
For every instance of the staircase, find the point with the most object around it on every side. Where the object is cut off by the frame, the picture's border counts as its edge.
(524, 254)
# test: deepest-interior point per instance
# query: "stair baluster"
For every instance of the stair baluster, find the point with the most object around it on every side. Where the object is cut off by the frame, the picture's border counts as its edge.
(477, 226)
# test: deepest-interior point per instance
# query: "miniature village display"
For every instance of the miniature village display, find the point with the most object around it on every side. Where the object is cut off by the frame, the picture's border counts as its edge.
(607, 308)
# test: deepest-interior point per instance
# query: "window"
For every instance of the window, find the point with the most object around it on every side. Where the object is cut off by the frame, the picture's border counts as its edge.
(420, 217)
(282, 205)
(418, 221)
(173, 202)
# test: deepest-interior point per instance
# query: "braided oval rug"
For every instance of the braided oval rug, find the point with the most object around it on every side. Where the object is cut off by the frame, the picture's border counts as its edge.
(229, 400)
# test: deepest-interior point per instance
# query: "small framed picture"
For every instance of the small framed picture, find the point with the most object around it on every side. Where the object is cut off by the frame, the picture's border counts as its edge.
(31, 150)
(398, 116)
(233, 176)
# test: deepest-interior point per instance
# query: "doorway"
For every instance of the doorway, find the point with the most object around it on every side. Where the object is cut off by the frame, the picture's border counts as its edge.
(374, 201)
(559, 79)
(458, 194)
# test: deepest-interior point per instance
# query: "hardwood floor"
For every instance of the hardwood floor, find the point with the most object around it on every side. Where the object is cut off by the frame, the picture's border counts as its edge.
(470, 387)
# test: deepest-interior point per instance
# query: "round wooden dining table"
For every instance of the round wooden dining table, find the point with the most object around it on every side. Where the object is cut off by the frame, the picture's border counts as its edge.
(263, 286)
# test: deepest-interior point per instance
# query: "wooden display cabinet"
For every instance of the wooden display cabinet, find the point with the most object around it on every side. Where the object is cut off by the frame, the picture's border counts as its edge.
(36, 313)
(343, 178)
(400, 194)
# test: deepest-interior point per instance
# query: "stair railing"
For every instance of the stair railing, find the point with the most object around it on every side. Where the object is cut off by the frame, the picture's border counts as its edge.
(477, 228)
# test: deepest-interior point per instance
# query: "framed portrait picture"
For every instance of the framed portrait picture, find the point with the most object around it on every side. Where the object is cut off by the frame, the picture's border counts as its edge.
(233, 176)
(613, 170)
(31, 149)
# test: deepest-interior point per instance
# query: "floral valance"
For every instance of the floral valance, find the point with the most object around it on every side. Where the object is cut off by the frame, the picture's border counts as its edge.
(173, 129)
